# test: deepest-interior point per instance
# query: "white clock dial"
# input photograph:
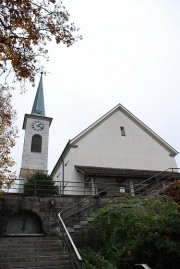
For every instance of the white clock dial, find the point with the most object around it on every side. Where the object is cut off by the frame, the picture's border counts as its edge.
(38, 125)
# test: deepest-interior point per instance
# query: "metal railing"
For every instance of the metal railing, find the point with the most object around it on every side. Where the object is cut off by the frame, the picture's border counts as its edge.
(92, 202)
(40, 187)
(43, 188)
(153, 183)
(69, 244)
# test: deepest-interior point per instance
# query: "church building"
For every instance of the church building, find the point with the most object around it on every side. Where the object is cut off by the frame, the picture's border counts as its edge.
(117, 149)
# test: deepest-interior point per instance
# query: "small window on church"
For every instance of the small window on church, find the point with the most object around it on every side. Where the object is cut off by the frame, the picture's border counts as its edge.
(36, 144)
(122, 131)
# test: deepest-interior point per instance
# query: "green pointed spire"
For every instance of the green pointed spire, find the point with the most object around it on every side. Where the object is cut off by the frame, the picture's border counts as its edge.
(38, 106)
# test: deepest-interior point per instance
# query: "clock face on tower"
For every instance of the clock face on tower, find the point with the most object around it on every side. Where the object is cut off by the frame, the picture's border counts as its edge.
(38, 125)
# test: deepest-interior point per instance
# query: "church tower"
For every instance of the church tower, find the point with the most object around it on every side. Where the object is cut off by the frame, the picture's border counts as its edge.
(36, 125)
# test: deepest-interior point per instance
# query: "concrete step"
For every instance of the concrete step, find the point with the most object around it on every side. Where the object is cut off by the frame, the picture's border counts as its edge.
(42, 267)
(28, 238)
(37, 264)
(30, 244)
(35, 254)
(29, 250)
(34, 257)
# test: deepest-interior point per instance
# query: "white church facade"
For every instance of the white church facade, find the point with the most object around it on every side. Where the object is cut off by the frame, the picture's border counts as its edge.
(117, 149)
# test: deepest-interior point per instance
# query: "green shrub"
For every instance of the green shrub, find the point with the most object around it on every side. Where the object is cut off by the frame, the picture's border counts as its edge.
(93, 260)
(40, 184)
(138, 230)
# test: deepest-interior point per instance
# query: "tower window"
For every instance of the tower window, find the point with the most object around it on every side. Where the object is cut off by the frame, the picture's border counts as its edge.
(36, 144)
(122, 131)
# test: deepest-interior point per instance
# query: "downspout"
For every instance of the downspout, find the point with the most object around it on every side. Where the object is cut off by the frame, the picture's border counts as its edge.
(62, 175)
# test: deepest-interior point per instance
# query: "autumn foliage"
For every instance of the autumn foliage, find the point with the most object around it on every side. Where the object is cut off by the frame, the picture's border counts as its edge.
(25, 28)
(173, 191)
(8, 134)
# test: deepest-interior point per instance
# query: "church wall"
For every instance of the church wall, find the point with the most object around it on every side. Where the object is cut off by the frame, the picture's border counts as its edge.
(105, 146)
(66, 176)
(117, 141)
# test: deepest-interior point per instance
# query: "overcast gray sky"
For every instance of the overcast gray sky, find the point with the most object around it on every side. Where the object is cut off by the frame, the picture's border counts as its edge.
(130, 54)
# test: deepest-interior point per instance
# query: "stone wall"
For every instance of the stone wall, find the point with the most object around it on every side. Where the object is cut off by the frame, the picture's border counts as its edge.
(46, 208)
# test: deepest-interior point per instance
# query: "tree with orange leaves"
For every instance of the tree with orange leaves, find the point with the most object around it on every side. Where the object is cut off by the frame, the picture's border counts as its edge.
(8, 133)
(173, 191)
(25, 28)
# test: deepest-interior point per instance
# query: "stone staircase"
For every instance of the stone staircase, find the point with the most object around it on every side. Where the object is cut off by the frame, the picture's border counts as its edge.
(33, 252)
(78, 230)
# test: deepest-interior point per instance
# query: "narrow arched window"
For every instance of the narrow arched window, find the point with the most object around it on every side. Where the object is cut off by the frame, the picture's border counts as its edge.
(36, 144)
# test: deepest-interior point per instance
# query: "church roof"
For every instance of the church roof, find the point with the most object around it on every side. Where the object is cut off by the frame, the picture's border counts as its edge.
(38, 106)
(103, 172)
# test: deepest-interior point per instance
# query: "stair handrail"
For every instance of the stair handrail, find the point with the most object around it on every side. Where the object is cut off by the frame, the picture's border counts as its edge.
(150, 188)
(70, 238)
(65, 228)
(155, 176)
(161, 172)
(96, 195)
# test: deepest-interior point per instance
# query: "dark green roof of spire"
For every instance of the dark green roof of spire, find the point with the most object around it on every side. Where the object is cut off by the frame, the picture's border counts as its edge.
(38, 106)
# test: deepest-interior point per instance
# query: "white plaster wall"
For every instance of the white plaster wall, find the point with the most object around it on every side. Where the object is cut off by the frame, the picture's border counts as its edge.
(35, 160)
(104, 146)
(72, 183)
